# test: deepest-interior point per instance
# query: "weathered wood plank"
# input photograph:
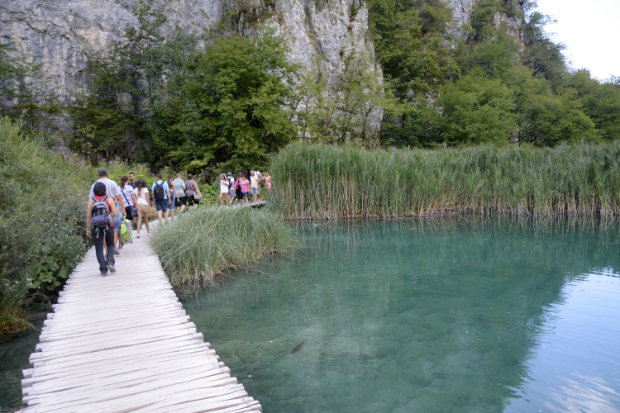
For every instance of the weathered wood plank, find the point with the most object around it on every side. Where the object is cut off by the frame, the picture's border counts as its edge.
(124, 343)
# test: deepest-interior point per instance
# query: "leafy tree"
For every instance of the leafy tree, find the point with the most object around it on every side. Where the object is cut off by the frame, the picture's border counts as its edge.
(233, 111)
(475, 110)
(543, 56)
(344, 110)
(601, 102)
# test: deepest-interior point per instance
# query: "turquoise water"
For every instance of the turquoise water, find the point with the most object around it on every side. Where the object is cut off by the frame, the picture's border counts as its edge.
(442, 315)
(449, 315)
(14, 353)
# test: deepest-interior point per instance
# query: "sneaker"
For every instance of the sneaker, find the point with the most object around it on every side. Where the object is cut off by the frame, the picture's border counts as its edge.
(116, 251)
(104, 273)
(111, 268)
(138, 235)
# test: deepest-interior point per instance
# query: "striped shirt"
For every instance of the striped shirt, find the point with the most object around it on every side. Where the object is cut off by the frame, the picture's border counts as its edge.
(111, 189)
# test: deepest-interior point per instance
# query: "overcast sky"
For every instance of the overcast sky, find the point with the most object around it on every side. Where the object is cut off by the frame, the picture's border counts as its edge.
(590, 30)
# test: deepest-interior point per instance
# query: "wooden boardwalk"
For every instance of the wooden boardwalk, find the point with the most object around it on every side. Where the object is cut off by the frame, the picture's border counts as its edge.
(123, 343)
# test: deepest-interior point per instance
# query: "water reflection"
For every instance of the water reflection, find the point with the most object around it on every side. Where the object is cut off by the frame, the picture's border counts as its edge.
(435, 315)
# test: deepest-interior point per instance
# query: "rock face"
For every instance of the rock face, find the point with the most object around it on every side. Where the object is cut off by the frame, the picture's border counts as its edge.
(464, 9)
(61, 34)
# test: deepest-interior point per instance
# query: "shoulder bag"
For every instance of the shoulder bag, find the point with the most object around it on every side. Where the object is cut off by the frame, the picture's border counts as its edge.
(132, 209)
(197, 196)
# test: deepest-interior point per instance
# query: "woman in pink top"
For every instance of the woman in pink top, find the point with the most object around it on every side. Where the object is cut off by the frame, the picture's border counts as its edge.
(245, 188)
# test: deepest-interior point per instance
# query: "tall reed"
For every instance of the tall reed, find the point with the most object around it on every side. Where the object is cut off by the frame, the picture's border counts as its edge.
(203, 243)
(321, 181)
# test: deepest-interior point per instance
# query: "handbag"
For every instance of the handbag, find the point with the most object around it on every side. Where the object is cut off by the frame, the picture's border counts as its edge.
(132, 209)
(196, 195)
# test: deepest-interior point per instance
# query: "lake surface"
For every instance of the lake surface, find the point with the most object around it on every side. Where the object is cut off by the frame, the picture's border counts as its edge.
(441, 315)
(445, 315)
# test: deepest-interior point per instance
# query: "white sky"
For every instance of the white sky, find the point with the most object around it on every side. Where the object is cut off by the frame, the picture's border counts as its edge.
(590, 30)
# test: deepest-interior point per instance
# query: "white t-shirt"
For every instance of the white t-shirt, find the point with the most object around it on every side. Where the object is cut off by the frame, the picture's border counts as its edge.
(223, 186)
(142, 198)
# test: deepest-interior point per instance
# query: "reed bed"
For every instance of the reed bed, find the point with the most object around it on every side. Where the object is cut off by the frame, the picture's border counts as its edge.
(329, 182)
(200, 244)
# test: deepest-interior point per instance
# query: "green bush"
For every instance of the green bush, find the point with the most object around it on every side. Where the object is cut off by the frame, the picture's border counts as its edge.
(43, 198)
(319, 182)
(42, 216)
(210, 240)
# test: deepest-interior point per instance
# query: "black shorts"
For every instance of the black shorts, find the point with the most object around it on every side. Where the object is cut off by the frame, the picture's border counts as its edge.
(128, 211)
(181, 201)
(191, 201)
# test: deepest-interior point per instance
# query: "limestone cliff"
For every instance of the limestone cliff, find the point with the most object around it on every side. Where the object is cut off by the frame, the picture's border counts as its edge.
(61, 34)
(464, 9)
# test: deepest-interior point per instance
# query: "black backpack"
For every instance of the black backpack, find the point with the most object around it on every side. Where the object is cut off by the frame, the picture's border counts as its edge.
(158, 192)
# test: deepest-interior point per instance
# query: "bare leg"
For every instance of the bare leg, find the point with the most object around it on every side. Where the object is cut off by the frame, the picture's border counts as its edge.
(166, 217)
(146, 222)
(159, 217)
(139, 221)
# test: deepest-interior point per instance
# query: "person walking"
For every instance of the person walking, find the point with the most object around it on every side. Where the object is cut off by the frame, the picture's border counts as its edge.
(239, 195)
(254, 185)
(231, 188)
(224, 184)
(99, 221)
(267, 179)
(179, 186)
(245, 188)
(192, 192)
(129, 196)
(144, 205)
(112, 191)
(161, 195)
(133, 184)
(173, 196)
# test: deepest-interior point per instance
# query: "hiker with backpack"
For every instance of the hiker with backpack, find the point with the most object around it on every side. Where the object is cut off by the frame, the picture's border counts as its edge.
(99, 224)
(192, 192)
(112, 191)
(161, 196)
(231, 189)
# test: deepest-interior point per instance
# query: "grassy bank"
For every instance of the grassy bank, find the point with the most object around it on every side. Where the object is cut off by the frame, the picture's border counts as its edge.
(319, 182)
(210, 240)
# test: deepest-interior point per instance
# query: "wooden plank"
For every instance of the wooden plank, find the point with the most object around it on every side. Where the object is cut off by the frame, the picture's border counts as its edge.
(124, 343)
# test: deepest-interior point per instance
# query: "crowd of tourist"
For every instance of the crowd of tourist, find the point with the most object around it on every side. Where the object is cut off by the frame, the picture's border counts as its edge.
(241, 189)
(110, 206)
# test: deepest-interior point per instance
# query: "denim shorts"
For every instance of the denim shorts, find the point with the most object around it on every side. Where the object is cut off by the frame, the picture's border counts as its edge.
(161, 205)
(171, 205)
(117, 222)
(245, 194)
(255, 191)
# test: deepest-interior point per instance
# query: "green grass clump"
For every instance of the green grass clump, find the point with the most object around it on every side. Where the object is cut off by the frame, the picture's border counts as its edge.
(210, 240)
(326, 182)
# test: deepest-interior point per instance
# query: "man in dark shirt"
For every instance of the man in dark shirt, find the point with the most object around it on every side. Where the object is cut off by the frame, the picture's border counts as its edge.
(132, 180)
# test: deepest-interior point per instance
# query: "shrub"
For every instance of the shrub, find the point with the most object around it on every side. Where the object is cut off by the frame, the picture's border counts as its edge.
(42, 217)
(210, 240)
